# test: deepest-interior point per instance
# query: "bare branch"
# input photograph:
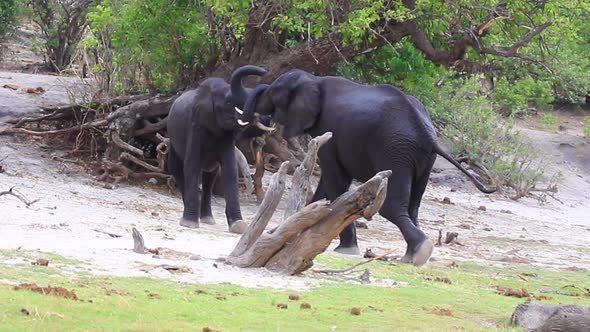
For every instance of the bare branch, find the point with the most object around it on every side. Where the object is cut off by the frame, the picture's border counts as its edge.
(19, 196)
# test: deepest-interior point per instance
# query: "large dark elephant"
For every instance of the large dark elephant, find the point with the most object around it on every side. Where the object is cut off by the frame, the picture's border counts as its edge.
(374, 128)
(202, 125)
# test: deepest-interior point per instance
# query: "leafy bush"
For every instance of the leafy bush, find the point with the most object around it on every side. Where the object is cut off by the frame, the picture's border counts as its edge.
(63, 23)
(8, 15)
(513, 96)
(549, 121)
(490, 143)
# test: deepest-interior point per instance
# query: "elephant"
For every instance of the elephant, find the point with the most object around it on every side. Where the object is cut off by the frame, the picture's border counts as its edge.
(375, 128)
(202, 125)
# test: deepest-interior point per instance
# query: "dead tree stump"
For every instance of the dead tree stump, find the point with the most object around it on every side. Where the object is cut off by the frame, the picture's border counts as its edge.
(301, 181)
(291, 248)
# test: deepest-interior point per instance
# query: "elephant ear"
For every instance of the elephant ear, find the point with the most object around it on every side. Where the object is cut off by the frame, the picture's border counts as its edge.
(297, 102)
(205, 108)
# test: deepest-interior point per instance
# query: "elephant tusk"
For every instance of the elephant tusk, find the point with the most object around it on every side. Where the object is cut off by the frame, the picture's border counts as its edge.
(242, 123)
(265, 128)
(239, 110)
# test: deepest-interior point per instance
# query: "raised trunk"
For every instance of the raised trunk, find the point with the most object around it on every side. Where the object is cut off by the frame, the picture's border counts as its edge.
(238, 92)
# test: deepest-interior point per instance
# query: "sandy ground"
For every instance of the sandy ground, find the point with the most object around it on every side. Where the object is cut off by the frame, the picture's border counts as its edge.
(72, 207)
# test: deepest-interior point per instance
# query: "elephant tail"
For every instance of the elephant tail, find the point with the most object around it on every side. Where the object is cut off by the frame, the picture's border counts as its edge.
(438, 149)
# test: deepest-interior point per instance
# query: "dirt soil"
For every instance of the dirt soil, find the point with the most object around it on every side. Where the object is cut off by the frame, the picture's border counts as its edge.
(74, 211)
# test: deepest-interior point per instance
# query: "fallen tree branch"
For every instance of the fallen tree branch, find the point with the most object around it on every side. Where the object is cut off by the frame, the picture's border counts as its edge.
(124, 145)
(93, 124)
(301, 180)
(291, 248)
(19, 196)
(355, 265)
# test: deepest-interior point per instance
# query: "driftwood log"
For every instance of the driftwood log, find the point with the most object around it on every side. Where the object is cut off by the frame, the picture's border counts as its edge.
(293, 245)
(301, 181)
(540, 317)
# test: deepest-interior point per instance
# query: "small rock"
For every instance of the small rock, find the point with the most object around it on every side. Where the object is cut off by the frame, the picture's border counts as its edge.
(282, 306)
(361, 224)
(482, 208)
(155, 214)
(524, 229)
(506, 211)
(25, 312)
(153, 181)
(196, 257)
(366, 277)
(446, 200)
(453, 190)
(220, 297)
(465, 226)
(208, 329)
(41, 262)
(355, 311)
(305, 305)
(215, 265)
(488, 229)
(294, 297)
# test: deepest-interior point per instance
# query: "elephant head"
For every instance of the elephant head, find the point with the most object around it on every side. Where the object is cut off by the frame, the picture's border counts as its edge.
(293, 100)
(219, 103)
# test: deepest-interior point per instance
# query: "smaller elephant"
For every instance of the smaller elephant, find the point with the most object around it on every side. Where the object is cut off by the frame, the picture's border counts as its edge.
(202, 125)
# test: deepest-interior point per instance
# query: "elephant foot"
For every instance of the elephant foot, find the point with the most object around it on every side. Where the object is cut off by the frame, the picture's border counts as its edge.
(348, 250)
(238, 227)
(406, 258)
(209, 220)
(189, 223)
(420, 255)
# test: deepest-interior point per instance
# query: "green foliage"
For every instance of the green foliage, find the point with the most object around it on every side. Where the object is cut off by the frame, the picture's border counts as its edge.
(549, 121)
(8, 16)
(63, 23)
(519, 94)
(159, 44)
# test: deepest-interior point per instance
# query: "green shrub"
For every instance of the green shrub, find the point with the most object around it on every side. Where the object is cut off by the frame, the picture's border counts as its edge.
(512, 96)
(549, 121)
(8, 16)
(483, 137)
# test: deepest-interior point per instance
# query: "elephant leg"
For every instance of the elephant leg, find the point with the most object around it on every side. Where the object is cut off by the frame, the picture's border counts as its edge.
(396, 209)
(175, 168)
(191, 196)
(207, 182)
(418, 189)
(229, 171)
(334, 181)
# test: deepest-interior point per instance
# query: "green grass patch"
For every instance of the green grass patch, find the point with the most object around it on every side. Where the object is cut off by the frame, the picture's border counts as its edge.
(149, 304)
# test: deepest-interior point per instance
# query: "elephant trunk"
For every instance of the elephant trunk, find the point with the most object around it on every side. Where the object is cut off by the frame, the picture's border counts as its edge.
(239, 94)
(252, 100)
